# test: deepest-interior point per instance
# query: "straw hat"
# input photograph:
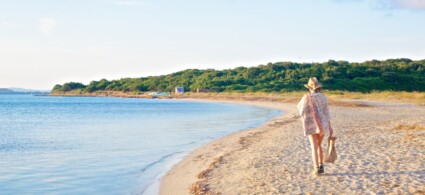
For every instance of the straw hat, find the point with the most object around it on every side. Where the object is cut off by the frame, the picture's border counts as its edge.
(313, 84)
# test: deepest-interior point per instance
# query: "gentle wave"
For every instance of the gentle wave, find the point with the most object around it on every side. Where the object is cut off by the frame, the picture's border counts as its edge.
(162, 159)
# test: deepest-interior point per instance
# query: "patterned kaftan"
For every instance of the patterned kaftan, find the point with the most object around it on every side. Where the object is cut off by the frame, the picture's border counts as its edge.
(320, 104)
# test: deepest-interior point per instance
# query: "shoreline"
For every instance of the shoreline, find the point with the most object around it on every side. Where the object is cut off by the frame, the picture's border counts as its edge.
(184, 175)
(156, 187)
(379, 147)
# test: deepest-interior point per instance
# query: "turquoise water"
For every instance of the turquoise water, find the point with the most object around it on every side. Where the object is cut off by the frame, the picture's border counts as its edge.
(85, 145)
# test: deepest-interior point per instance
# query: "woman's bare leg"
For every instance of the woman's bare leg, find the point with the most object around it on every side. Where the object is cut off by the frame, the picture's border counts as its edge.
(314, 146)
(320, 151)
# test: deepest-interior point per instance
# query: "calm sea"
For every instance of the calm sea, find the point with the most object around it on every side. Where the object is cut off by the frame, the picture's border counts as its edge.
(85, 145)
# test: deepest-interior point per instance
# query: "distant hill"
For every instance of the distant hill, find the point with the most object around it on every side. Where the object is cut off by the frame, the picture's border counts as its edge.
(392, 74)
(22, 91)
(5, 90)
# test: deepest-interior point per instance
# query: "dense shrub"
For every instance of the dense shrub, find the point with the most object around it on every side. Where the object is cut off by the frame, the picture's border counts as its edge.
(393, 74)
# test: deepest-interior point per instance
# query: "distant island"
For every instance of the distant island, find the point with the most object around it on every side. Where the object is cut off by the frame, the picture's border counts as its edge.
(5, 90)
(393, 74)
(22, 91)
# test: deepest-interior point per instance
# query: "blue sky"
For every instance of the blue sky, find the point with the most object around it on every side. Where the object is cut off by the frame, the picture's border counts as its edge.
(45, 42)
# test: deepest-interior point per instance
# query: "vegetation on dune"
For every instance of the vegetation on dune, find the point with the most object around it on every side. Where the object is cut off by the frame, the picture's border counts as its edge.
(392, 74)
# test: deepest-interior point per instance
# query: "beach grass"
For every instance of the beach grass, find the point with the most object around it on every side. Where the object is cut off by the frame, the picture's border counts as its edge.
(391, 96)
(335, 97)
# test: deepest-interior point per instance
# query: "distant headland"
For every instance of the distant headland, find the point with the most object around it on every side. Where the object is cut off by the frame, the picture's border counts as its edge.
(22, 91)
(387, 75)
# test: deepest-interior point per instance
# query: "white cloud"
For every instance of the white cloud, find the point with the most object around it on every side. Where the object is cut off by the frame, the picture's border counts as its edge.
(418, 5)
(411, 4)
(46, 25)
(6, 24)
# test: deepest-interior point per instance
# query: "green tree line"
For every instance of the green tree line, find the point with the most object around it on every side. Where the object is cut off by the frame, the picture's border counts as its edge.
(392, 74)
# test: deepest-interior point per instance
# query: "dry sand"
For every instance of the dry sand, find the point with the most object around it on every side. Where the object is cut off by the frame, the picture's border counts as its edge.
(380, 151)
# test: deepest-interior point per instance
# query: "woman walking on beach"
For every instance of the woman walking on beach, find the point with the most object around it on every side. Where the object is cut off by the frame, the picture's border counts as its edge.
(314, 111)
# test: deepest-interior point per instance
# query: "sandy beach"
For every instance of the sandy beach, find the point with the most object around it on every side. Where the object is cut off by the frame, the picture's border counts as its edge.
(380, 151)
